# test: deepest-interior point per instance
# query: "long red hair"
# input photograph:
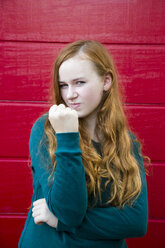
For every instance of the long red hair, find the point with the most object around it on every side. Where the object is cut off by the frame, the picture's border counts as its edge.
(118, 165)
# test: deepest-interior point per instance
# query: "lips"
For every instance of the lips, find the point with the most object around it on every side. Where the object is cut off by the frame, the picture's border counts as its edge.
(74, 105)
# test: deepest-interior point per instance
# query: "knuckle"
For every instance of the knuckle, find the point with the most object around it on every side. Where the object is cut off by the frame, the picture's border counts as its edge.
(52, 110)
(61, 105)
(52, 107)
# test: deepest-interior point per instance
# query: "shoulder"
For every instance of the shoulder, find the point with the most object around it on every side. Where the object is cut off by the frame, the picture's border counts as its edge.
(132, 136)
(38, 145)
(39, 123)
(135, 144)
(134, 140)
(37, 131)
(136, 148)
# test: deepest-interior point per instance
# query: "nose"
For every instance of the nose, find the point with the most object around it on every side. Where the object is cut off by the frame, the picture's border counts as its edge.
(71, 94)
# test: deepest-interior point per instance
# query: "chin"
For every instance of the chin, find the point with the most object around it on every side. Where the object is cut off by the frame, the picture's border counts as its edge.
(81, 115)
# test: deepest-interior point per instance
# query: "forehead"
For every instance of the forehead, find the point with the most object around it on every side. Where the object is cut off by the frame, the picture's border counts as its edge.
(76, 67)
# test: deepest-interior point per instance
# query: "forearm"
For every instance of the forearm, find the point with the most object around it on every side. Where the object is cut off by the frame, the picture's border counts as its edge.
(115, 223)
(67, 197)
(111, 223)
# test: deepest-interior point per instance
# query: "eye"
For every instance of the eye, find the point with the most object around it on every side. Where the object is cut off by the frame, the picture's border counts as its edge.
(80, 82)
(61, 86)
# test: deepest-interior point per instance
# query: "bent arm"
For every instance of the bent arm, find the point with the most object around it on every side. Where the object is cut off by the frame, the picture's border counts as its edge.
(67, 197)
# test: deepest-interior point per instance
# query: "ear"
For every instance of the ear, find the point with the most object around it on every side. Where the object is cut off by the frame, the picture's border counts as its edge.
(107, 82)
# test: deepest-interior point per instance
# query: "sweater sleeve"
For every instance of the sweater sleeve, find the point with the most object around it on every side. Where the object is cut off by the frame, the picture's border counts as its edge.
(67, 196)
(115, 223)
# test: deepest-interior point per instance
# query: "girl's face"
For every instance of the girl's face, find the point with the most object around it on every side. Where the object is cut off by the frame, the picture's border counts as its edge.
(80, 86)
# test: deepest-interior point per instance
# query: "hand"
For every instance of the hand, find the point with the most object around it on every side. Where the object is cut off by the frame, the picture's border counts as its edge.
(41, 213)
(63, 119)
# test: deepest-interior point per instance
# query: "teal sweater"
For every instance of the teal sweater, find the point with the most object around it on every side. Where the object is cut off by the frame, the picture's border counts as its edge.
(67, 198)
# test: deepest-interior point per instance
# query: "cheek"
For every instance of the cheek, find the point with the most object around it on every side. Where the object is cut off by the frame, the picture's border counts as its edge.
(85, 94)
(93, 94)
(63, 95)
(87, 91)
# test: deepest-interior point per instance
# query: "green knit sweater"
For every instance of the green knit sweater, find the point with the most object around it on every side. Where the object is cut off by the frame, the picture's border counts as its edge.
(67, 198)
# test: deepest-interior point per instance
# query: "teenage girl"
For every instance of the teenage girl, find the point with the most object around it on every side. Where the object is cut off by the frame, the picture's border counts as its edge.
(88, 175)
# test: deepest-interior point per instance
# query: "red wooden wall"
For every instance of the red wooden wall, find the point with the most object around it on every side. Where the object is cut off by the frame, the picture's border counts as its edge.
(31, 34)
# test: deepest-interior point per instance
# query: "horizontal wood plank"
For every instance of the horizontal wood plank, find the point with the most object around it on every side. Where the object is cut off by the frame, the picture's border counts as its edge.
(106, 21)
(148, 124)
(153, 239)
(141, 73)
(26, 71)
(27, 68)
(18, 118)
(12, 226)
(156, 195)
(16, 188)
(10, 230)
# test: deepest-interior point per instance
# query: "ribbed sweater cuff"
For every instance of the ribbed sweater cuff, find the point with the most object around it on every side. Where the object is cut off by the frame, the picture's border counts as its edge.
(68, 142)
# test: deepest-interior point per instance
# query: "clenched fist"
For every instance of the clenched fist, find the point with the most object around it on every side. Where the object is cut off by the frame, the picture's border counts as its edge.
(63, 119)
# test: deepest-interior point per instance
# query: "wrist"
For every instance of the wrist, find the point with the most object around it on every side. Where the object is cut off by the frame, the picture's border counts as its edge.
(68, 142)
(67, 131)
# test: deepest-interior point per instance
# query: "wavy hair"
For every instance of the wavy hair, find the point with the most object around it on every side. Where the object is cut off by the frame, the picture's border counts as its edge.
(118, 165)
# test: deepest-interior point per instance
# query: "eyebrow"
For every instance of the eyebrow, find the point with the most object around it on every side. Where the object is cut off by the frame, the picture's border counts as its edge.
(73, 80)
